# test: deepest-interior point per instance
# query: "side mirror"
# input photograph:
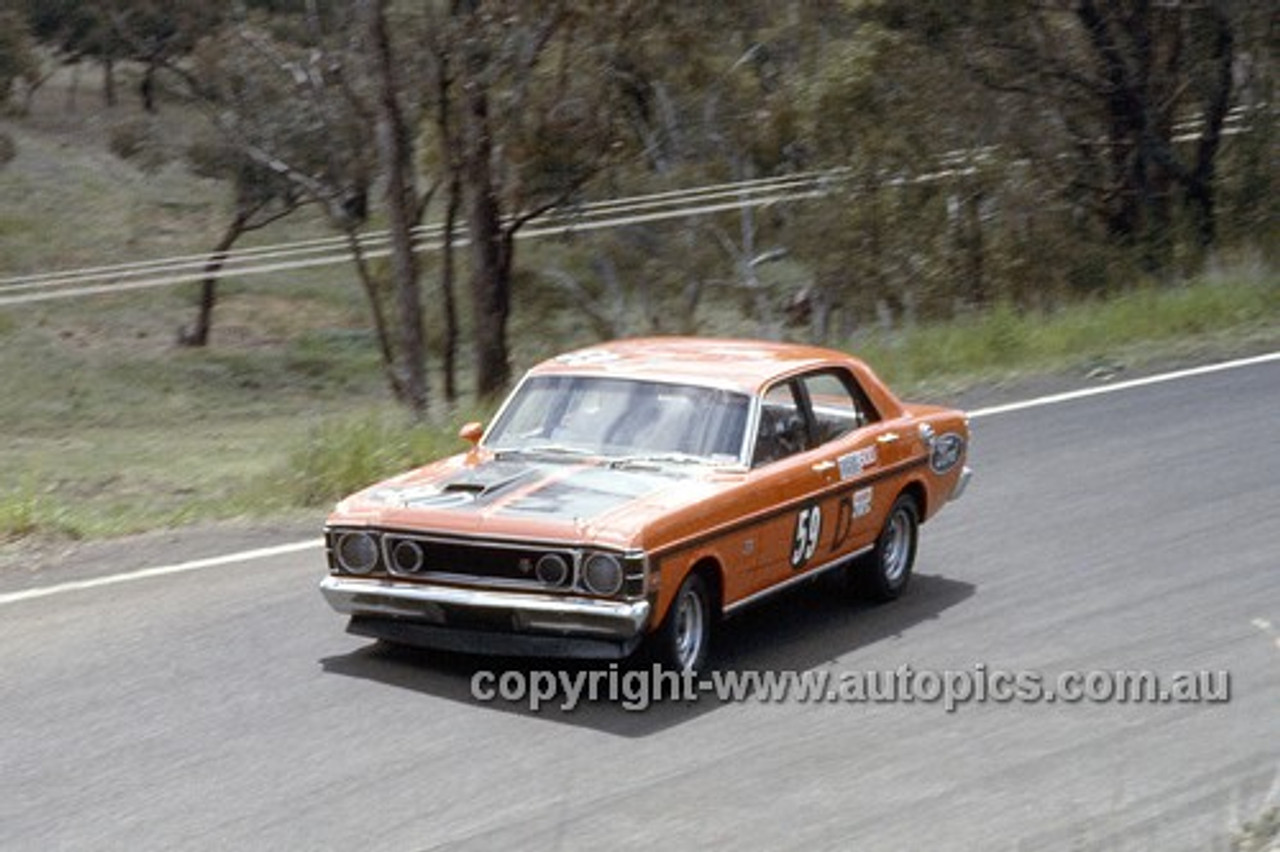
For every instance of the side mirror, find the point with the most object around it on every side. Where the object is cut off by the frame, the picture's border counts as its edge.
(472, 433)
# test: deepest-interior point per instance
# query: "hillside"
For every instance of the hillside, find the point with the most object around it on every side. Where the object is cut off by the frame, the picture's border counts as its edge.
(109, 426)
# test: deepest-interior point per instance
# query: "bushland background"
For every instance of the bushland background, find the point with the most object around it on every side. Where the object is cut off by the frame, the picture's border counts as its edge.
(999, 189)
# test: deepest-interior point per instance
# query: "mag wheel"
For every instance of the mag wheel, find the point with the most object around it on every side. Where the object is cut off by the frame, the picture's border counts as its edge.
(683, 640)
(884, 573)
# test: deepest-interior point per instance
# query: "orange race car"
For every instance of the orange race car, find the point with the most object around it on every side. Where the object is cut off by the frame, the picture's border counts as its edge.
(636, 492)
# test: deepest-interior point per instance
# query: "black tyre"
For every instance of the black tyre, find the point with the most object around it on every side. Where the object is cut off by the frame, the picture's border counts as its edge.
(883, 574)
(683, 641)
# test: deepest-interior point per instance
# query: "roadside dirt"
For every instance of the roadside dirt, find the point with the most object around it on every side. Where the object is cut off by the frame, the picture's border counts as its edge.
(30, 563)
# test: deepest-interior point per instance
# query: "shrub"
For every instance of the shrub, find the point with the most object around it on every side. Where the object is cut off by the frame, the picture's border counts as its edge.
(339, 458)
(134, 140)
(1261, 835)
(129, 138)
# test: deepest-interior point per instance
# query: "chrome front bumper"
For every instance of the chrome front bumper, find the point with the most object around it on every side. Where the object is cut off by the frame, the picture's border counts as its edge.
(485, 611)
(962, 483)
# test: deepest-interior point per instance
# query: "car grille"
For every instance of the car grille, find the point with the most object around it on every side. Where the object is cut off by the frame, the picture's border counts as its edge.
(439, 559)
(450, 560)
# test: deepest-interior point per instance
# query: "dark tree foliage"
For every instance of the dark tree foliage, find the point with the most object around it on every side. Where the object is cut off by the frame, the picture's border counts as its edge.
(1132, 95)
(17, 58)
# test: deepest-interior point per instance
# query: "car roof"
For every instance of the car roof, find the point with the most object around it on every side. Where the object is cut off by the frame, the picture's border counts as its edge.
(741, 364)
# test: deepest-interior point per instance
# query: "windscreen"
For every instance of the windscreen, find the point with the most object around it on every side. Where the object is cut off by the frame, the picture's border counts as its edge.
(622, 417)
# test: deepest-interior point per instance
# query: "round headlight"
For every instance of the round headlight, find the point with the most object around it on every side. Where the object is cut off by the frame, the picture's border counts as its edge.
(602, 574)
(407, 557)
(552, 569)
(357, 553)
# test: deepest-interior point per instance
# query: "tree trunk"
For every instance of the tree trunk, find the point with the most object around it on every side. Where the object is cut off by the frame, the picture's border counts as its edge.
(395, 150)
(147, 88)
(453, 205)
(385, 350)
(109, 81)
(198, 335)
(447, 276)
(964, 214)
(490, 252)
(1125, 117)
(1199, 183)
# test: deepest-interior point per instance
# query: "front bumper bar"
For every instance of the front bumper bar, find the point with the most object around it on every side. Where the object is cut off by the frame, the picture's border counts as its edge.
(962, 483)
(485, 621)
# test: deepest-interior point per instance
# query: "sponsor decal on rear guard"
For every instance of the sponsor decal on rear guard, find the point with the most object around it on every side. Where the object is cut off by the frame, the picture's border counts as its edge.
(852, 464)
(946, 453)
(862, 502)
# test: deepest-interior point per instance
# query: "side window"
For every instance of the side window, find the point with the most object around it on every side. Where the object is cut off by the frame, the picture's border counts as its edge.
(782, 431)
(838, 404)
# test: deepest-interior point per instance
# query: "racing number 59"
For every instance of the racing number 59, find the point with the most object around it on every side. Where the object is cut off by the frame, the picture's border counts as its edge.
(808, 528)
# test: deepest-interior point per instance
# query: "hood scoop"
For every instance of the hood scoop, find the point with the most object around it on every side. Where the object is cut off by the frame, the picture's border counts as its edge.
(476, 488)
(470, 487)
(480, 485)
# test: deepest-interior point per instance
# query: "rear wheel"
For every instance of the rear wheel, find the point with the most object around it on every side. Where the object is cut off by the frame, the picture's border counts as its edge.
(684, 639)
(883, 574)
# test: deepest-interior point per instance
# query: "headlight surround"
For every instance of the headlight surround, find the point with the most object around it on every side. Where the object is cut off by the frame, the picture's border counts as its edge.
(356, 552)
(552, 569)
(602, 574)
(407, 557)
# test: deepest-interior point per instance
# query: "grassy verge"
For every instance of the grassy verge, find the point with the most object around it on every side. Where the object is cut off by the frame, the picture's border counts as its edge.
(341, 456)
(1214, 312)
(1261, 835)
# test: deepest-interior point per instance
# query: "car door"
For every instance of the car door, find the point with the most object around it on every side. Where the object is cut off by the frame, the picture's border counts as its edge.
(849, 452)
(813, 443)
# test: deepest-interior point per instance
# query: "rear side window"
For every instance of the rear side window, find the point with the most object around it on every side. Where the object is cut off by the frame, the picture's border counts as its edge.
(839, 406)
(807, 411)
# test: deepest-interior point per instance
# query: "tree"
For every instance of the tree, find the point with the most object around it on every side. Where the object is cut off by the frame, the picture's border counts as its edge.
(17, 59)
(528, 117)
(396, 156)
(1135, 94)
(158, 33)
(298, 112)
(79, 30)
(261, 197)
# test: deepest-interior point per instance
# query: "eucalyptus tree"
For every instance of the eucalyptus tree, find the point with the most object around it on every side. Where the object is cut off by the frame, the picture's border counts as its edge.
(1126, 102)
(296, 110)
(525, 114)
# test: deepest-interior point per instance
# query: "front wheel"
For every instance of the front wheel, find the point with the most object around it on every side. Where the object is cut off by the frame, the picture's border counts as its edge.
(884, 573)
(683, 641)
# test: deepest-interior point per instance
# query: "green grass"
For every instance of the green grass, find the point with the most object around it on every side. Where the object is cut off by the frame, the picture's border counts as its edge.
(340, 456)
(1144, 324)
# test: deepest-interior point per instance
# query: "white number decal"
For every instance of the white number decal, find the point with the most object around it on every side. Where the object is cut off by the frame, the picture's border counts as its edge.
(808, 528)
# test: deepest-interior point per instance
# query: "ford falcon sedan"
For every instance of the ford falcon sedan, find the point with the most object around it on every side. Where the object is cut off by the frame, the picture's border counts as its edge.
(630, 495)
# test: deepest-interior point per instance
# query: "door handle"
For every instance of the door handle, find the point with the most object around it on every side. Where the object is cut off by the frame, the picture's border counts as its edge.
(887, 438)
(823, 466)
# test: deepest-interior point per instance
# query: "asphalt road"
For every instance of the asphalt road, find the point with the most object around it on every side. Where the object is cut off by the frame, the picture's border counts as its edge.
(225, 708)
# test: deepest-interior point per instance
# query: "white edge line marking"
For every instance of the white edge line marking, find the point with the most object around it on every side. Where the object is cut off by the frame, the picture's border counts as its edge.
(297, 546)
(161, 571)
(1068, 396)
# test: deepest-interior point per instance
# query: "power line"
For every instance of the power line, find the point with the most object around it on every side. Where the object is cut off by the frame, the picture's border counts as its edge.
(589, 216)
(307, 254)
